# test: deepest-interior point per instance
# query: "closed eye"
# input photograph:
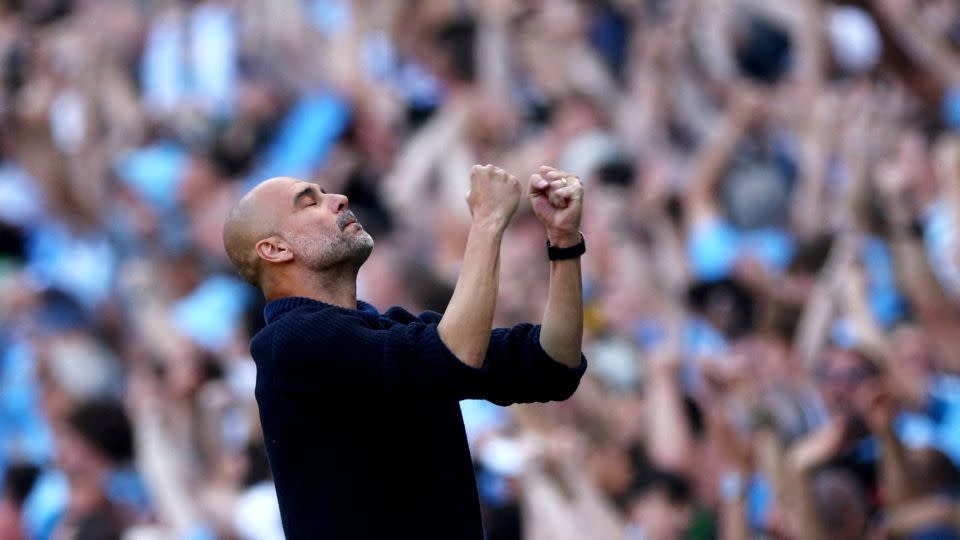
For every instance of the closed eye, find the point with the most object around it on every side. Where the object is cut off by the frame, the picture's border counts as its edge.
(308, 194)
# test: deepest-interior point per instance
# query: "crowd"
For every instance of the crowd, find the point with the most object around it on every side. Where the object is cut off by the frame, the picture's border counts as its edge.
(772, 279)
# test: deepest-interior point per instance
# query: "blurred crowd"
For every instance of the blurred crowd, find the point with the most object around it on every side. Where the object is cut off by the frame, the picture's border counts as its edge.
(772, 279)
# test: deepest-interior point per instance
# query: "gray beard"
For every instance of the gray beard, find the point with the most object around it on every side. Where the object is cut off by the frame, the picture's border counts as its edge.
(357, 249)
(341, 251)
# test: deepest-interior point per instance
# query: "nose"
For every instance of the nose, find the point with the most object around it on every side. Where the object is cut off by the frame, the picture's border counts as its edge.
(338, 202)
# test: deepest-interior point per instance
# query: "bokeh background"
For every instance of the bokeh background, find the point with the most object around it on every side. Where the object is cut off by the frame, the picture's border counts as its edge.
(772, 277)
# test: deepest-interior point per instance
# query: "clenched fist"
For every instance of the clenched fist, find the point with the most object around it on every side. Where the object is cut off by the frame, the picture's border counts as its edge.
(493, 197)
(557, 200)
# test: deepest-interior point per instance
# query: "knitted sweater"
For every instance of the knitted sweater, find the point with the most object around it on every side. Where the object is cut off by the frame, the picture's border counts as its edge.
(362, 423)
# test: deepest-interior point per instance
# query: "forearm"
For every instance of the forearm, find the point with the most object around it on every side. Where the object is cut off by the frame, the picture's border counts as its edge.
(733, 520)
(932, 305)
(404, 185)
(710, 162)
(468, 320)
(899, 57)
(807, 519)
(894, 473)
(561, 332)
(917, 279)
(802, 461)
(547, 513)
(814, 154)
(670, 439)
(670, 260)
(589, 502)
(771, 461)
(163, 472)
(947, 166)
(811, 43)
(639, 112)
(857, 308)
(814, 326)
(921, 44)
(921, 513)
(711, 40)
(493, 58)
(822, 305)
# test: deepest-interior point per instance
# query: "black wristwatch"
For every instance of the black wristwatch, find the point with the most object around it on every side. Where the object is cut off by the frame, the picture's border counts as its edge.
(572, 252)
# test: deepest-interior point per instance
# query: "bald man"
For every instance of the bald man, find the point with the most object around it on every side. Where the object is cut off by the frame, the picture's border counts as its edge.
(360, 410)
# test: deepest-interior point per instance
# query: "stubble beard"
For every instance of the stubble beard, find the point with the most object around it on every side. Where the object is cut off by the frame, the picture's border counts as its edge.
(339, 249)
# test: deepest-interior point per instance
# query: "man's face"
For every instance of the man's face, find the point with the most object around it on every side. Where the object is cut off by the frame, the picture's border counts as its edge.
(914, 364)
(321, 231)
(845, 374)
(913, 350)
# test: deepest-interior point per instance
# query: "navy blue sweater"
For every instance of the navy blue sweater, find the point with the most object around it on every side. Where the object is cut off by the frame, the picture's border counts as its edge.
(362, 423)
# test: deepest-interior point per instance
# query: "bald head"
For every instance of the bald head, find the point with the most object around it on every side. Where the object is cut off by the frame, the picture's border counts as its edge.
(255, 217)
(285, 229)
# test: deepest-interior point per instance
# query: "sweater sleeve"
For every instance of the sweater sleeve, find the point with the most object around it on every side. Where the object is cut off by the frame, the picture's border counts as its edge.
(343, 356)
(518, 370)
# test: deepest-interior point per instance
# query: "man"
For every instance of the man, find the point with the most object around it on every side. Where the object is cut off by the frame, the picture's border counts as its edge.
(359, 409)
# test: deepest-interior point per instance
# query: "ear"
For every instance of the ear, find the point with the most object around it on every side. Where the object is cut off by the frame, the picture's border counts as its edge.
(274, 249)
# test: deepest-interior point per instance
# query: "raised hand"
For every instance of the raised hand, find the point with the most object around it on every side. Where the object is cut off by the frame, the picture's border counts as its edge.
(557, 201)
(493, 197)
(820, 446)
(875, 402)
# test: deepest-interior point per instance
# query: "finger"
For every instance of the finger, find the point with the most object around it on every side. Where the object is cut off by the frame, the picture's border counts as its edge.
(564, 196)
(551, 173)
(555, 175)
(559, 180)
(478, 171)
(557, 184)
(538, 185)
(562, 183)
(545, 169)
(571, 193)
(559, 198)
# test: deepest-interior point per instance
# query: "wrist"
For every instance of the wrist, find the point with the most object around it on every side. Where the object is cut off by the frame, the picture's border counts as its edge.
(489, 226)
(568, 250)
(732, 486)
(491, 237)
(663, 369)
(883, 428)
(564, 239)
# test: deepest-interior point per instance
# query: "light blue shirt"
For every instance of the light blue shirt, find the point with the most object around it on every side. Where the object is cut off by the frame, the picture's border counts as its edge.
(191, 61)
(714, 247)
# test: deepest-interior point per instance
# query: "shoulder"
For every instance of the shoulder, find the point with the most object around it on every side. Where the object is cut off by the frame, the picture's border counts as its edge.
(315, 324)
(313, 313)
(261, 343)
(398, 315)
